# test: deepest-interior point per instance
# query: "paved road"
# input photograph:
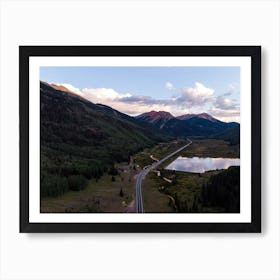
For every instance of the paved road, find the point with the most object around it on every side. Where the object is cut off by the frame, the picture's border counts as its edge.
(139, 200)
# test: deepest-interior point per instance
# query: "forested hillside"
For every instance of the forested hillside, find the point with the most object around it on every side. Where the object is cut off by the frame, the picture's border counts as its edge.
(81, 140)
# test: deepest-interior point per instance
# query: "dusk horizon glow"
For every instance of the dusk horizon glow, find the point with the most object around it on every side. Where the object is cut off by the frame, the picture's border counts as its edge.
(136, 90)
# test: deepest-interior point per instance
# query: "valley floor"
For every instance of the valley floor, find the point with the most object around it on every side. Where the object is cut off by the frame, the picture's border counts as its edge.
(162, 189)
(161, 193)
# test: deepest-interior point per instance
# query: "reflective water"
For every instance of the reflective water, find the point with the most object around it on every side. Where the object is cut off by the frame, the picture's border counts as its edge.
(200, 165)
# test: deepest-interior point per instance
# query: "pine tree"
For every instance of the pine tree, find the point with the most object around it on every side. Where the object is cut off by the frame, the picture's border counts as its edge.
(121, 192)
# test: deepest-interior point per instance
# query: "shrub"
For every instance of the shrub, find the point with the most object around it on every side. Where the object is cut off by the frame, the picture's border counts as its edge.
(53, 185)
(77, 182)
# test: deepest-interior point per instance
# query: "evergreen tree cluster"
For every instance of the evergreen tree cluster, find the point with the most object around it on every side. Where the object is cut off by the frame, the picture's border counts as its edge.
(223, 190)
(54, 185)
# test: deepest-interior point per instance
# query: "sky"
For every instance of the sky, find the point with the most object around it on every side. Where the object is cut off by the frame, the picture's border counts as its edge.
(136, 90)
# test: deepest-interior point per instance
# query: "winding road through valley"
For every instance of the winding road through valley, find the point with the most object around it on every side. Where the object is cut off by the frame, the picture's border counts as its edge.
(145, 171)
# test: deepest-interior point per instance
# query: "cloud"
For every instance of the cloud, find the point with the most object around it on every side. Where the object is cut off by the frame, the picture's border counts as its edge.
(195, 99)
(196, 96)
(141, 99)
(225, 108)
(124, 102)
(169, 86)
(96, 94)
(225, 103)
(226, 115)
(71, 88)
(99, 94)
(227, 94)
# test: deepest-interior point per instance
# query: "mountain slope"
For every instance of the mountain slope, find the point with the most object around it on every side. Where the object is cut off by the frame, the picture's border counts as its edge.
(82, 138)
(79, 119)
(206, 127)
(158, 119)
(232, 135)
(200, 116)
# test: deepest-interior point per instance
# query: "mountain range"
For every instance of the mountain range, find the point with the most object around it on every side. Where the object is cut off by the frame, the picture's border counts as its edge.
(186, 125)
(71, 119)
(81, 140)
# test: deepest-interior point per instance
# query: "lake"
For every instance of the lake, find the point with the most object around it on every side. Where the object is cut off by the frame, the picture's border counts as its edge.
(201, 165)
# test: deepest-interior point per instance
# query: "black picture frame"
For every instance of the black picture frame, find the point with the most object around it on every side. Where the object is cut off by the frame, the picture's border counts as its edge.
(254, 52)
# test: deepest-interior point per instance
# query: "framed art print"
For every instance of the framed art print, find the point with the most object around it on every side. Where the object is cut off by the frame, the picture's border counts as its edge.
(140, 138)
